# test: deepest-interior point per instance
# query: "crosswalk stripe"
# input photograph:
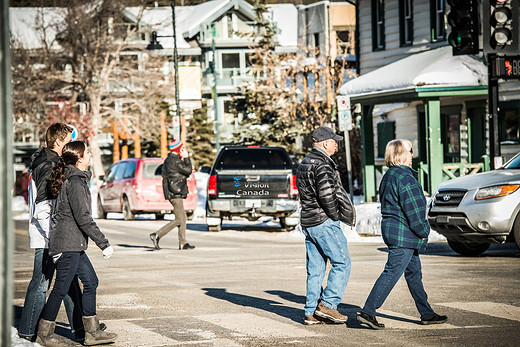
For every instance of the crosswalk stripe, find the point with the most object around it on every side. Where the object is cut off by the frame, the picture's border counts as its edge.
(489, 308)
(402, 321)
(130, 334)
(251, 324)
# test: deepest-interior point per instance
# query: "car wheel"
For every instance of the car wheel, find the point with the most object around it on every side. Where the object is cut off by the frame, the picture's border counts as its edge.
(159, 216)
(189, 215)
(468, 249)
(284, 226)
(127, 212)
(101, 214)
(215, 228)
(516, 231)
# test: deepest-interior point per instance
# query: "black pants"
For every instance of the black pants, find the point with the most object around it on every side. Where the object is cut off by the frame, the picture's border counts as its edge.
(70, 265)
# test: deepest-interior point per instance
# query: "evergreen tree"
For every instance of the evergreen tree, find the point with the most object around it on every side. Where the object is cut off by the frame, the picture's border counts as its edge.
(278, 108)
(200, 138)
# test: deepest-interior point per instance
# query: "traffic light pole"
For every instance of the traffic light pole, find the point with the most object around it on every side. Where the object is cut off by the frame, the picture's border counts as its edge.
(494, 143)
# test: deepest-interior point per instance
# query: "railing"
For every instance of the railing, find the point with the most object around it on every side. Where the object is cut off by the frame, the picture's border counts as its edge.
(454, 170)
(449, 170)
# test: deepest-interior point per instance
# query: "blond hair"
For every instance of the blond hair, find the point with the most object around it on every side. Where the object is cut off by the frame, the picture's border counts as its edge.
(397, 151)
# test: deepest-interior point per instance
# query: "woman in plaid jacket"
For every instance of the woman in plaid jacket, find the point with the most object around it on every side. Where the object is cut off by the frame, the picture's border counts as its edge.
(405, 231)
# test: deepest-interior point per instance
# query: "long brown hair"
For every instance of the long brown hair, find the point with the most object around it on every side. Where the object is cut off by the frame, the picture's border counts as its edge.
(72, 152)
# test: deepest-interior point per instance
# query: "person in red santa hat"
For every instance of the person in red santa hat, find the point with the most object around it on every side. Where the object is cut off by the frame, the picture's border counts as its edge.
(175, 171)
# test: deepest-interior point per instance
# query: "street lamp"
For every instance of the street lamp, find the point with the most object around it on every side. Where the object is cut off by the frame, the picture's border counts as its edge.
(154, 44)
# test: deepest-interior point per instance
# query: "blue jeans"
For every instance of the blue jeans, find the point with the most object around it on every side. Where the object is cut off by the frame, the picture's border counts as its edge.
(326, 242)
(36, 294)
(400, 260)
(70, 265)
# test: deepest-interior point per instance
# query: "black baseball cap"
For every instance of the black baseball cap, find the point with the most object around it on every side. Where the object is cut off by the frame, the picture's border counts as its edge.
(325, 133)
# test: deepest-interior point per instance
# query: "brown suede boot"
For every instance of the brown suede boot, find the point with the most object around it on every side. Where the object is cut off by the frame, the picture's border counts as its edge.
(93, 334)
(46, 335)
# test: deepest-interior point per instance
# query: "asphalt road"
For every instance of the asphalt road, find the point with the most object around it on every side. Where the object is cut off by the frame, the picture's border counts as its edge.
(245, 286)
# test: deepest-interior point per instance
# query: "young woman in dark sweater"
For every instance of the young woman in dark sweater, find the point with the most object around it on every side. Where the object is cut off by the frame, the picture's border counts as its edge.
(72, 226)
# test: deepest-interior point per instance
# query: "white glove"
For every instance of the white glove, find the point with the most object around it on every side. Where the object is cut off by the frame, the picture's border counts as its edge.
(107, 252)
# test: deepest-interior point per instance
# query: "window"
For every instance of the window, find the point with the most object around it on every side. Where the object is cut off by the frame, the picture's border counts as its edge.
(230, 60)
(343, 42)
(112, 173)
(120, 170)
(378, 25)
(130, 170)
(385, 134)
(450, 133)
(152, 169)
(254, 158)
(406, 22)
(438, 25)
(509, 119)
(316, 44)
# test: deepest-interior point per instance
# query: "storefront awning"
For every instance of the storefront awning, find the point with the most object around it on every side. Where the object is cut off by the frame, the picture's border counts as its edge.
(435, 69)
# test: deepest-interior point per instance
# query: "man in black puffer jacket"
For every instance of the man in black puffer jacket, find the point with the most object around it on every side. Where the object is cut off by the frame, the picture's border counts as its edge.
(324, 203)
(175, 171)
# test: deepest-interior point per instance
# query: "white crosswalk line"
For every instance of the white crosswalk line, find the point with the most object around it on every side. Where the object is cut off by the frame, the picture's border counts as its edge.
(489, 308)
(130, 334)
(251, 324)
(402, 321)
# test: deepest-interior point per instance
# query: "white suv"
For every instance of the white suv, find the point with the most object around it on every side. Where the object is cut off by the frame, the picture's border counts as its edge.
(476, 210)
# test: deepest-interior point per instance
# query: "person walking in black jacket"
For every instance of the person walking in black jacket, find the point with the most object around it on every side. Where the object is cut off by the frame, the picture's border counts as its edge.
(175, 171)
(40, 206)
(324, 203)
(72, 226)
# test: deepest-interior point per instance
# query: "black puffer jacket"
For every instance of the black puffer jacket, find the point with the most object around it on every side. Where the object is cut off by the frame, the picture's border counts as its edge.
(72, 222)
(42, 162)
(321, 194)
(175, 171)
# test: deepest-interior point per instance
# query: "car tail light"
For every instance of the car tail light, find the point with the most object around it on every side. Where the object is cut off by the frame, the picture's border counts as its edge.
(294, 188)
(212, 185)
(137, 187)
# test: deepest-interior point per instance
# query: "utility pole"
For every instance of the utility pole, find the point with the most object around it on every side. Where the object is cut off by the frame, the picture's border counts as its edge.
(494, 143)
(177, 117)
(214, 89)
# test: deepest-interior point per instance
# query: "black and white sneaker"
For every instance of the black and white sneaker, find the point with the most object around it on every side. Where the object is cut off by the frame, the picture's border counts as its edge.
(371, 321)
(435, 319)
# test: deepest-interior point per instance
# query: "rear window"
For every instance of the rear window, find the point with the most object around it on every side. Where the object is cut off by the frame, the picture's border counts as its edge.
(129, 170)
(254, 158)
(152, 169)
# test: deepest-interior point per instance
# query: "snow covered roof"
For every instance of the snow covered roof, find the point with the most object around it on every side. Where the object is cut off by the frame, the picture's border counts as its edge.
(25, 25)
(433, 68)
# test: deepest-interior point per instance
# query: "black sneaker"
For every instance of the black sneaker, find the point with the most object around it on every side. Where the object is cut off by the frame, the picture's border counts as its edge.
(155, 240)
(435, 319)
(371, 321)
(186, 246)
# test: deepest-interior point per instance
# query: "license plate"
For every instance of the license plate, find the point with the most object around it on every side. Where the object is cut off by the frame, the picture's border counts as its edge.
(442, 219)
(253, 203)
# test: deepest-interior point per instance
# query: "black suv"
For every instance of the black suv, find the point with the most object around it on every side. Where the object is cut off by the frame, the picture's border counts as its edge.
(252, 182)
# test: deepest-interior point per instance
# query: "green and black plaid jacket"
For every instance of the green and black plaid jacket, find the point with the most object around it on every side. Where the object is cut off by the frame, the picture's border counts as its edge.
(403, 207)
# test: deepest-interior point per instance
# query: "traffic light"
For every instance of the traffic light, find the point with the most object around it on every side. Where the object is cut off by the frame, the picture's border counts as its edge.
(506, 67)
(463, 20)
(500, 26)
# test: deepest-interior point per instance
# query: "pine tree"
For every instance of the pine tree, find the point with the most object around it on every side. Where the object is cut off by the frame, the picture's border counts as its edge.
(277, 109)
(200, 139)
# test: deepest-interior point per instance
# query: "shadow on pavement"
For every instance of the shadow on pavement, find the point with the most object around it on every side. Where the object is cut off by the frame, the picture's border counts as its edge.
(147, 248)
(276, 307)
(349, 310)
